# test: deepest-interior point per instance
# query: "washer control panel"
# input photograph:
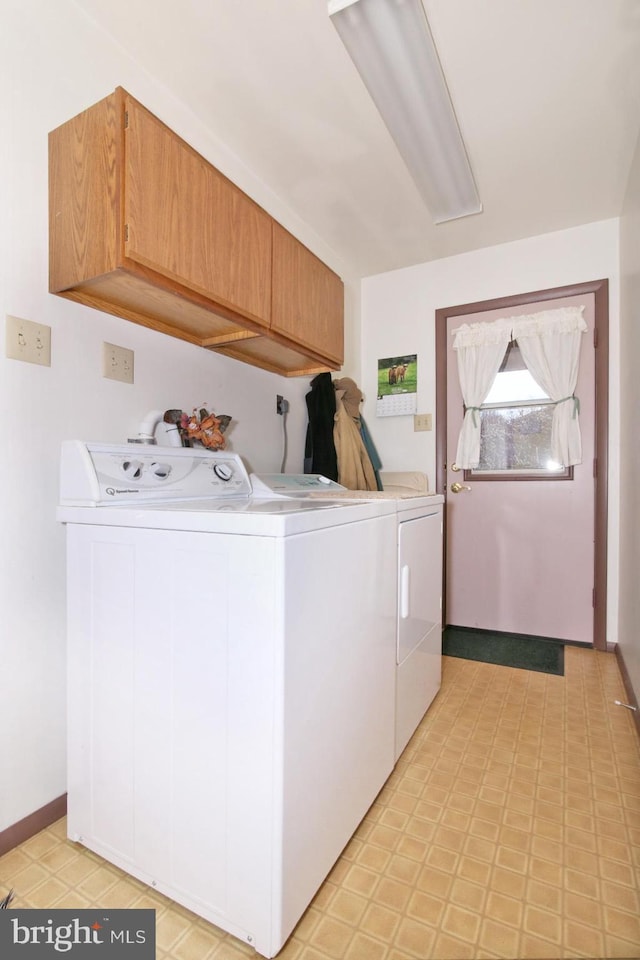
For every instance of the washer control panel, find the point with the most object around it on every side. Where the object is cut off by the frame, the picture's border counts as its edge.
(293, 484)
(95, 474)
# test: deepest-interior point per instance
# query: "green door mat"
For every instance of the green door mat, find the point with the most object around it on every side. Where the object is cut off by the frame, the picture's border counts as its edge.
(506, 649)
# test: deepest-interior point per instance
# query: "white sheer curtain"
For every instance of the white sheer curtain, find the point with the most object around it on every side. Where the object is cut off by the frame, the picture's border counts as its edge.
(480, 350)
(550, 346)
(549, 342)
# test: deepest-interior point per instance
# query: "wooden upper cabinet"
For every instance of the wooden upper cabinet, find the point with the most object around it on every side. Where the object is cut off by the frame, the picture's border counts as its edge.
(184, 219)
(84, 197)
(143, 227)
(308, 297)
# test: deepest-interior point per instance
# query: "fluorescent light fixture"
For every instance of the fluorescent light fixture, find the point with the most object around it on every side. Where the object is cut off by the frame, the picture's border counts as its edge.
(391, 45)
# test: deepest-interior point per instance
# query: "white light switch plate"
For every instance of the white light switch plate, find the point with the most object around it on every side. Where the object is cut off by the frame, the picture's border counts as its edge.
(28, 341)
(422, 421)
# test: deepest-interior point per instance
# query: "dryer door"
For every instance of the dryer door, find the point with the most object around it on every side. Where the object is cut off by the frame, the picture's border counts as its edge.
(419, 580)
(419, 644)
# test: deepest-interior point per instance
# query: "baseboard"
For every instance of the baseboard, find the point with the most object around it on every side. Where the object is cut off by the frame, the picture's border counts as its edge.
(34, 823)
(632, 700)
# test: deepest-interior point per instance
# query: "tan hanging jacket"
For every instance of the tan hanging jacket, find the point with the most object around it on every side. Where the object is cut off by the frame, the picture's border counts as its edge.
(354, 465)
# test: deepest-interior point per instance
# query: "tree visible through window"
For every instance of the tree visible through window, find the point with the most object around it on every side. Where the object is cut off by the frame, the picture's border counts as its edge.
(515, 425)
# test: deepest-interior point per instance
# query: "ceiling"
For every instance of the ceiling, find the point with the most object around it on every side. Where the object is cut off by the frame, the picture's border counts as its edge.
(547, 94)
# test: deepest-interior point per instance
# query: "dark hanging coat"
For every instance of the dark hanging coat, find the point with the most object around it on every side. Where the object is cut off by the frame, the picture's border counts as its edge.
(320, 452)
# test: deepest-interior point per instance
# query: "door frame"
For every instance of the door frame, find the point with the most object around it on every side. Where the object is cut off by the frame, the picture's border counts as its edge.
(600, 291)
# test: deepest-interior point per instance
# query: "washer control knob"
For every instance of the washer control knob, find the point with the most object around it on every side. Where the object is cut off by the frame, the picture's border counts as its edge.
(132, 469)
(223, 471)
(160, 470)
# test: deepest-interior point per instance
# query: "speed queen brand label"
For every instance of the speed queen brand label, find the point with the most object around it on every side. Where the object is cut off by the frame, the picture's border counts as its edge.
(78, 934)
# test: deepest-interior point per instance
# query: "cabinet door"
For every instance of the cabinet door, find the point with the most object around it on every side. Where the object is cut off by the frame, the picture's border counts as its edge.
(308, 298)
(185, 220)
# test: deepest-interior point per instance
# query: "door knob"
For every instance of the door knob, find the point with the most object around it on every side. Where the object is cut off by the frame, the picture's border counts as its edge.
(459, 487)
(455, 467)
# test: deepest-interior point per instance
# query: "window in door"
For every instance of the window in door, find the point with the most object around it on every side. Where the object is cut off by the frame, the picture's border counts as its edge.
(515, 427)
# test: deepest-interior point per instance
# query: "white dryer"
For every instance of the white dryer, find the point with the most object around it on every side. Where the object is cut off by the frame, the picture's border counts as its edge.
(231, 679)
(417, 574)
(419, 625)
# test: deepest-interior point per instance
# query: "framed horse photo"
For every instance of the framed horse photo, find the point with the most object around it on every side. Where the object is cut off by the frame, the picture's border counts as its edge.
(397, 386)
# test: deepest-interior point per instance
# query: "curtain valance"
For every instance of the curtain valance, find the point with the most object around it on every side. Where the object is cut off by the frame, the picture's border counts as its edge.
(561, 320)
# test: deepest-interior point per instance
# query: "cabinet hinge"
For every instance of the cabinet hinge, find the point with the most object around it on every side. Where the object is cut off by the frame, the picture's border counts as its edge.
(593, 597)
(126, 233)
(126, 119)
(595, 337)
(595, 468)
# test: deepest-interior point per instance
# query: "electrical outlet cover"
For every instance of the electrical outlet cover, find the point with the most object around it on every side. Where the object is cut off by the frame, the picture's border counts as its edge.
(117, 363)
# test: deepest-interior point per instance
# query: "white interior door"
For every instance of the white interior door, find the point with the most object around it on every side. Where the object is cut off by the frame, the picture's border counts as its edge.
(520, 553)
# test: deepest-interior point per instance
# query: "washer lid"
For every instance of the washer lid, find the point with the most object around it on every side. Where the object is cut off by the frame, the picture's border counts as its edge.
(250, 517)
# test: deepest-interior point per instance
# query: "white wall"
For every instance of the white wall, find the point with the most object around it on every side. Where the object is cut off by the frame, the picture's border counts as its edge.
(398, 317)
(629, 634)
(53, 64)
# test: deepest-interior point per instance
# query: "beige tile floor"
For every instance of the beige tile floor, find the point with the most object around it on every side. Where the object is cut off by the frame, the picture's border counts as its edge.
(509, 829)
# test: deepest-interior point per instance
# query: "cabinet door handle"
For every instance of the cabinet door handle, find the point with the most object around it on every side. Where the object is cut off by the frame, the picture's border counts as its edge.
(405, 583)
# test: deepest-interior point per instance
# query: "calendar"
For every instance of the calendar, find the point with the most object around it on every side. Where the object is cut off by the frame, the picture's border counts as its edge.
(397, 386)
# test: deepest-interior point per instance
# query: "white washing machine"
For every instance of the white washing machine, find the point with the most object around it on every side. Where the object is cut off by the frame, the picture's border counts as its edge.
(231, 679)
(418, 576)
